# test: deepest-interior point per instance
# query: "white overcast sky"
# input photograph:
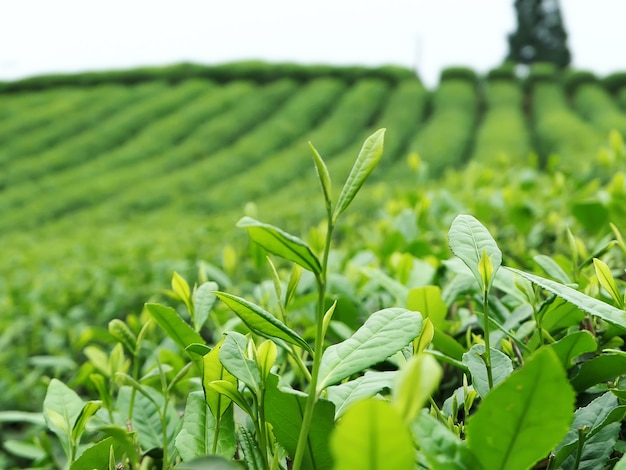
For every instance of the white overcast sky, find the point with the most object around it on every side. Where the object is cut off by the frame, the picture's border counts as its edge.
(43, 36)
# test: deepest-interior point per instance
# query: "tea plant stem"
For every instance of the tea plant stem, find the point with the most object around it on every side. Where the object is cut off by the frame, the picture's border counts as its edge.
(317, 357)
(216, 434)
(300, 364)
(487, 357)
(261, 429)
(582, 432)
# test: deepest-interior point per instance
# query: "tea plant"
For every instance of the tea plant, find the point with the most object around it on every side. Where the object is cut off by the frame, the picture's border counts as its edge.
(492, 368)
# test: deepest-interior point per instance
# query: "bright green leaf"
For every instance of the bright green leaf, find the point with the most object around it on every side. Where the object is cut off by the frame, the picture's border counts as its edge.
(292, 285)
(468, 240)
(199, 349)
(429, 301)
(552, 269)
(232, 392)
(232, 355)
(323, 175)
(425, 337)
(367, 160)
(94, 456)
(448, 345)
(372, 435)
(383, 333)
(281, 243)
(197, 436)
(122, 333)
(203, 300)
(174, 326)
(501, 367)
(520, 421)
(61, 408)
(366, 386)
(266, 357)
(415, 383)
(606, 280)
(485, 268)
(262, 322)
(441, 447)
(213, 370)
(584, 302)
(89, 409)
(573, 345)
(22, 417)
(597, 450)
(181, 289)
(284, 410)
(599, 369)
(146, 421)
(597, 415)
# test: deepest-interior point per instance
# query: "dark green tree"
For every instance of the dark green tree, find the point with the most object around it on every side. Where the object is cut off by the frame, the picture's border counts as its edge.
(540, 35)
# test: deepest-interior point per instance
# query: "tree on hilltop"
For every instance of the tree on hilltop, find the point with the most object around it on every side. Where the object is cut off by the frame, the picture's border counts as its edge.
(540, 35)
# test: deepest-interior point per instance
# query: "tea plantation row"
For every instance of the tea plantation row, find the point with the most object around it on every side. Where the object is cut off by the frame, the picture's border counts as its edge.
(109, 183)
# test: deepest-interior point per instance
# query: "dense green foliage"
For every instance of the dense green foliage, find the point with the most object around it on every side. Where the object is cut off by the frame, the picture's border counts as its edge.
(109, 186)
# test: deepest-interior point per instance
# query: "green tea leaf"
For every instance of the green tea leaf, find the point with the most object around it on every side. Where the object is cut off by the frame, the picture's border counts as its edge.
(262, 322)
(441, 447)
(232, 355)
(214, 370)
(281, 243)
(573, 345)
(425, 337)
(174, 326)
(368, 159)
(22, 417)
(266, 357)
(519, 421)
(146, 420)
(588, 304)
(383, 333)
(284, 409)
(598, 414)
(597, 450)
(323, 175)
(122, 333)
(606, 280)
(196, 438)
(93, 457)
(292, 285)
(429, 301)
(368, 385)
(232, 392)
(182, 290)
(61, 408)
(126, 439)
(599, 369)
(250, 448)
(501, 367)
(448, 345)
(552, 269)
(372, 435)
(468, 240)
(89, 409)
(203, 300)
(415, 383)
